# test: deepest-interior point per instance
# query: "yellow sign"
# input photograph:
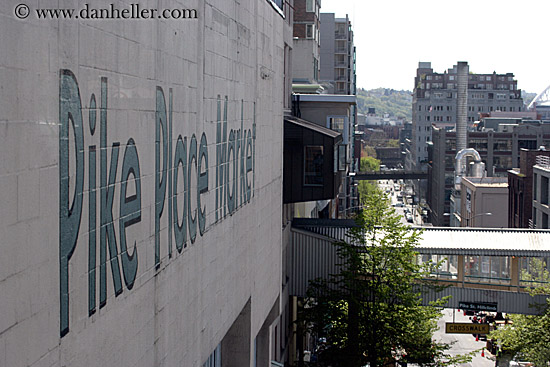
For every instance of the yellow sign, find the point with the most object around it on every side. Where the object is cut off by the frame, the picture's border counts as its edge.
(466, 328)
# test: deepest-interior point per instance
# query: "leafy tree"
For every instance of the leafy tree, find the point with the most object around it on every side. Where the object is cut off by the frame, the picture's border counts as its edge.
(529, 335)
(369, 151)
(371, 312)
(370, 164)
(367, 188)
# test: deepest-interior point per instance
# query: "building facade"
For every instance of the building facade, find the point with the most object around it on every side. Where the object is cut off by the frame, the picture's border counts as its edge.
(337, 55)
(520, 186)
(435, 102)
(307, 41)
(141, 187)
(499, 150)
(484, 202)
(541, 193)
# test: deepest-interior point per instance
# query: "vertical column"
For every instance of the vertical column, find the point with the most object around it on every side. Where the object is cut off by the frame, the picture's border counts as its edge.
(460, 269)
(514, 273)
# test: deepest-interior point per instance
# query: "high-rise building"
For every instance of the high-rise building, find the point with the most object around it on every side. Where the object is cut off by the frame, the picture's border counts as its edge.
(337, 55)
(306, 44)
(435, 103)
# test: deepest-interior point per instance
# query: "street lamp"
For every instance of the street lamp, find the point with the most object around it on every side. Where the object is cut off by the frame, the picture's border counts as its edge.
(467, 219)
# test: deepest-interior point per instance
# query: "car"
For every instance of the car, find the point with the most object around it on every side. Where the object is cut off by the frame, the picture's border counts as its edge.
(409, 218)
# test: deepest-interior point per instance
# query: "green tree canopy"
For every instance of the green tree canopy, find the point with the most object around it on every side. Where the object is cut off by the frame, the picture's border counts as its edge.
(529, 335)
(371, 312)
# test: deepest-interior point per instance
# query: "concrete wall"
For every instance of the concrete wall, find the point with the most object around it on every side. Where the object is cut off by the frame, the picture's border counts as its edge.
(93, 270)
(327, 47)
(489, 197)
(303, 55)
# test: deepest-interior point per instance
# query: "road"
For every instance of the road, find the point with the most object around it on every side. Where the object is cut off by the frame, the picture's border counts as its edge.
(463, 343)
(393, 189)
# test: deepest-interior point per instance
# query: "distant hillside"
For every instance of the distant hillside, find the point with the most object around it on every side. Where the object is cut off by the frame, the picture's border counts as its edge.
(397, 103)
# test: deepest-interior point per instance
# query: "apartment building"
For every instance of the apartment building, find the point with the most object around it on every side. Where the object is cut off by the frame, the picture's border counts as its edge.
(338, 71)
(307, 41)
(435, 103)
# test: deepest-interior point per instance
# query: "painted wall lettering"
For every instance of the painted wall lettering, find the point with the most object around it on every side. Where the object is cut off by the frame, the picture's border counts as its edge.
(175, 168)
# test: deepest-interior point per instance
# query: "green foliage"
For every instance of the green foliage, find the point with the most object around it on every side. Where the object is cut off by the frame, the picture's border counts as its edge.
(368, 188)
(393, 102)
(369, 151)
(371, 312)
(529, 335)
(392, 143)
(369, 164)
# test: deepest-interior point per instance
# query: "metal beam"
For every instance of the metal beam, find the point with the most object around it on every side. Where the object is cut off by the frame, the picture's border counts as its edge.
(391, 175)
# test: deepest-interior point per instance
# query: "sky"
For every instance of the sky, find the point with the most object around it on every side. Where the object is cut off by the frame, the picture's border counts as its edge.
(392, 36)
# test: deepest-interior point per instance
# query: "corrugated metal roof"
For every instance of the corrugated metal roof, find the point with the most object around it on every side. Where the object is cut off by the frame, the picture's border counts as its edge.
(313, 255)
(454, 241)
(478, 241)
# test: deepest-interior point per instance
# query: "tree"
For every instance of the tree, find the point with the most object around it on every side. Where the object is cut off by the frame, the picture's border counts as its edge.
(367, 188)
(371, 312)
(529, 335)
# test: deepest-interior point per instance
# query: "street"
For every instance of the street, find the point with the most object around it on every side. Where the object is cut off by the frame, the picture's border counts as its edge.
(400, 200)
(463, 343)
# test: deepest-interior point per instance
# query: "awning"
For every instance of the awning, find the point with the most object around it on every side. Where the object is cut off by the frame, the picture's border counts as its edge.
(304, 124)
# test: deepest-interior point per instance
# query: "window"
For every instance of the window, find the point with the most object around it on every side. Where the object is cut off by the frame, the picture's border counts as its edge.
(450, 144)
(310, 29)
(502, 162)
(451, 77)
(535, 194)
(544, 190)
(342, 157)
(313, 165)
(278, 4)
(310, 6)
(337, 124)
(215, 359)
(502, 145)
(478, 144)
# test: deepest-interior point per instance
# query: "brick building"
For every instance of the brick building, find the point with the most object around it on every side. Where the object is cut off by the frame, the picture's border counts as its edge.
(520, 186)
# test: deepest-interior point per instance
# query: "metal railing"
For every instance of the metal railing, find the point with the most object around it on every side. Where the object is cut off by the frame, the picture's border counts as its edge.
(543, 161)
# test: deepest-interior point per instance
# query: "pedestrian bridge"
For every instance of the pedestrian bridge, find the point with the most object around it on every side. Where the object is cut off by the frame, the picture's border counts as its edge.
(390, 175)
(479, 265)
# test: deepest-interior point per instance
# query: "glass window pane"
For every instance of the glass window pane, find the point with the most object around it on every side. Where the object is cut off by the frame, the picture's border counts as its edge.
(313, 165)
